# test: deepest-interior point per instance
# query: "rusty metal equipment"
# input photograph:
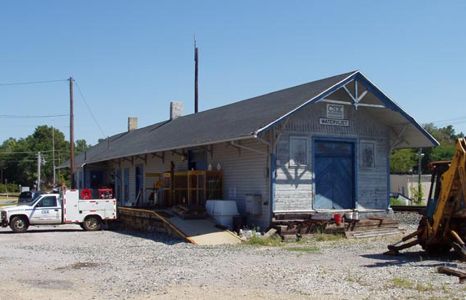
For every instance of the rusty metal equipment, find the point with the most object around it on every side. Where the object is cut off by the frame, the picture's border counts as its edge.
(443, 225)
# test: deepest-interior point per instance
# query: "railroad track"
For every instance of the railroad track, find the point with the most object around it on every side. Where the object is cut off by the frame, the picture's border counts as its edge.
(409, 208)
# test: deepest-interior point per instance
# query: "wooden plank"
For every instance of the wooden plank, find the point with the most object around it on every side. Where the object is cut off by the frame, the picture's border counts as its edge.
(372, 233)
(461, 274)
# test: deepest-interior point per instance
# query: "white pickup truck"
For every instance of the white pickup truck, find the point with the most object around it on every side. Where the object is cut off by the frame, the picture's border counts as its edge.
(63, 208)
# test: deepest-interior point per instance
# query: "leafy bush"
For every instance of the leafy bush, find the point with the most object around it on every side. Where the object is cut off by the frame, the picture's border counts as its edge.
(395, 201)
(9, 188)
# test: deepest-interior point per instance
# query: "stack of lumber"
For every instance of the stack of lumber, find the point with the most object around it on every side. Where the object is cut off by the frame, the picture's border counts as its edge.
(372, 227)
(292, 225)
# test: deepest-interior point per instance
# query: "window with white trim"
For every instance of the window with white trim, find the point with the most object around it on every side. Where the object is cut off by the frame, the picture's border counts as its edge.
(298, 151)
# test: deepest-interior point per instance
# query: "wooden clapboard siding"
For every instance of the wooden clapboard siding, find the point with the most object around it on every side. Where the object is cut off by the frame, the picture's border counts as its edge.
(294, 187)
(244, 172)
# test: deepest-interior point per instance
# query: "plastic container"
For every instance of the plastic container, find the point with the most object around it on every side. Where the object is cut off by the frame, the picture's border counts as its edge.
(349, 216)
(222, 211)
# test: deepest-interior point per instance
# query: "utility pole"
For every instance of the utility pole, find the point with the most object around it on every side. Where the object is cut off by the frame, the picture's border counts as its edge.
(196, 62)
(419, 172)
(71, 135)
(53, 156)
(39, 163)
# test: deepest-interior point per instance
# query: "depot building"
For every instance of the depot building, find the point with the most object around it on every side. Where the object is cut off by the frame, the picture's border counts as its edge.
(319, 147)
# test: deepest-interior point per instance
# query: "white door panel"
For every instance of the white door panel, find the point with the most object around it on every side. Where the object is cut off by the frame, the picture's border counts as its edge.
(46, 211)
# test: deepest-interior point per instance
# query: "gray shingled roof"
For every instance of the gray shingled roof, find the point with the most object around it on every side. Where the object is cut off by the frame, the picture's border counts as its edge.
(243, 119)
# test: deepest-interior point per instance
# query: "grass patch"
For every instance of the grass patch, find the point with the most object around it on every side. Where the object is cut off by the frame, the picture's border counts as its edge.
(323, 237)
(310, 249)
(260, 241)
(424, 287)
(402, 283)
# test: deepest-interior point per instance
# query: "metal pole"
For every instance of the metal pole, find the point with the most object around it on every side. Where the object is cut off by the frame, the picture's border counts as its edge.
(71, 135)
(39, 162)
(196, 90)
(419, 171)
(53, 156)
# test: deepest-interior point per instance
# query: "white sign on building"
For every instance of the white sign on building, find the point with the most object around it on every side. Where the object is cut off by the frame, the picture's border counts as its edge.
(333, 122)
(335, 111)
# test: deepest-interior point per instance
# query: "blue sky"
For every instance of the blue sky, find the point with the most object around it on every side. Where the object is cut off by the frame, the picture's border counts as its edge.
(130, 58)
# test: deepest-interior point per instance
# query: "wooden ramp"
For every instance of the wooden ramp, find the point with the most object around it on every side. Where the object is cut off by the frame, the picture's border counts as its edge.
(195, 231)
(203, 232)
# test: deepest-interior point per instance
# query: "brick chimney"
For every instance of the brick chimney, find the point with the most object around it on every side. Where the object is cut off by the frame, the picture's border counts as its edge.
(132, 123)
(176, 109)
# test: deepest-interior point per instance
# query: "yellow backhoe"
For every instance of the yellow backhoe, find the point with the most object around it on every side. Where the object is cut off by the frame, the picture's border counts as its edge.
(443, 224)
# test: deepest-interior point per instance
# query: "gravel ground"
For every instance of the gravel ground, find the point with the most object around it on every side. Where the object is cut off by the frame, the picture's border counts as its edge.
(407, 219)
(67, 263)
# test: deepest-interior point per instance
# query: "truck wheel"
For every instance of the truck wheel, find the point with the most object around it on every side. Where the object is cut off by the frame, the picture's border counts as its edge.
(92, 223)
(19, 224)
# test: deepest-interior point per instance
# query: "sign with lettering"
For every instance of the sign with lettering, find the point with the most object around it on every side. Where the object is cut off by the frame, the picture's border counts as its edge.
(335, 111)
(333, 122)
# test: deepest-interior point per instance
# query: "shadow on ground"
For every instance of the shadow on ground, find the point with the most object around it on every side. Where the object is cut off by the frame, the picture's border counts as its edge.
(38, 231)
(153, 236)
(384, 260)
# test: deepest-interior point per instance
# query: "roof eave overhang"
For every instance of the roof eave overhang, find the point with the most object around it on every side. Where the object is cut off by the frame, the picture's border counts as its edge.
(244, 137)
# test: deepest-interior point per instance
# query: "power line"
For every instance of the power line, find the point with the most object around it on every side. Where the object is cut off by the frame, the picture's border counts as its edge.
(31, 82)
(29, 152)
(31, 116)
(26, 159)
(89, 109)
(456, 119)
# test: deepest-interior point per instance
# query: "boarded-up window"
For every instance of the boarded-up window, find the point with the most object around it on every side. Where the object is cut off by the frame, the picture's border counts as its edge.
(298, 151)
(367, 155)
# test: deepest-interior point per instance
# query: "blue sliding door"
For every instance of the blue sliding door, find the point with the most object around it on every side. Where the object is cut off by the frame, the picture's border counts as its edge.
(334, 174)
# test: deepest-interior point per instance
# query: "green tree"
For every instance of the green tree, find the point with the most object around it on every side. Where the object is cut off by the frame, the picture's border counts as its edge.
(18, 157)
(402, 161)
(81, 146)
(447, 137)
(405, 160)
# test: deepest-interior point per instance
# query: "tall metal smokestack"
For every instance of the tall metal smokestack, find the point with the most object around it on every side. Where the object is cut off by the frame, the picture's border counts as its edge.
(196, 89)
